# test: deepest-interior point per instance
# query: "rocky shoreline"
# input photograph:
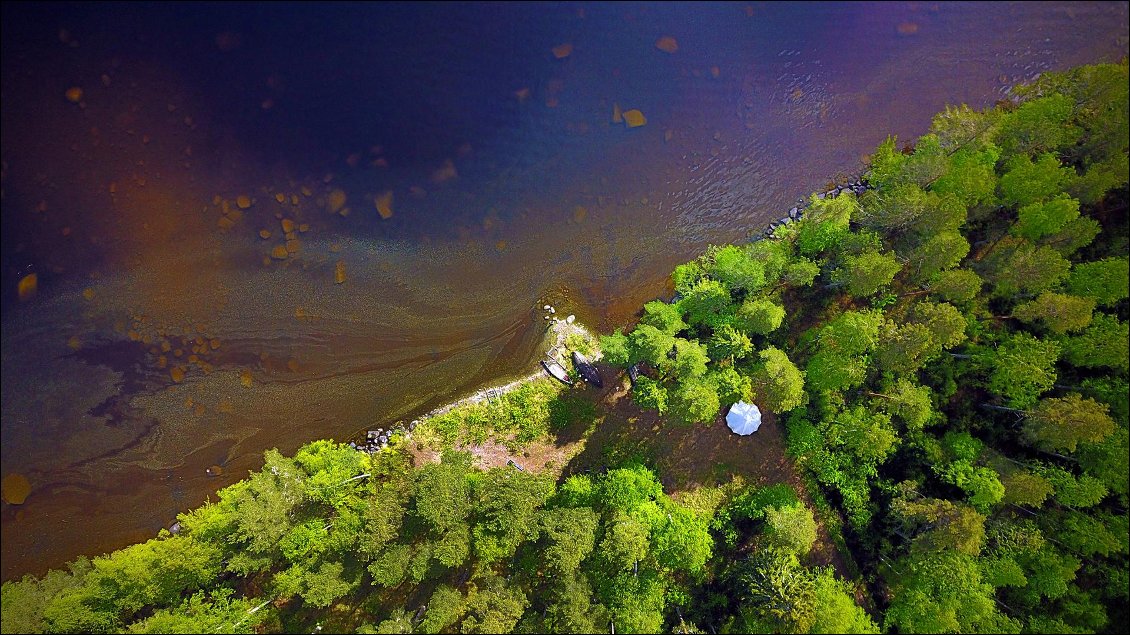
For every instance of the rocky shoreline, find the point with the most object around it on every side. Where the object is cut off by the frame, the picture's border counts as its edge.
(857, 186)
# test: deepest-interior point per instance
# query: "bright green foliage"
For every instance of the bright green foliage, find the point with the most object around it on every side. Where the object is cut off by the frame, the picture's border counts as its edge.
(759, 316)
(942, 593)
(686, 275)
(704, 302)
(835, 608)
(886, 163)
(829, 371)
(939, 525)
(1023, 369)
(890, 168)
(911, 213)
(493, 606)
(1074, 236)
(1025, 488)
(200, 614)
(851, 332)
(571, 534)
(970, 176)
(777, 382)
(1102, 344)
(616, 349)
(866, 273)
(905, 348)
(626, 542)
(650, 345)
(1026, 182)
(1109, 460)
(1039, 125)
(729, 343)
(791, 528)
(1041, 219)
(648, 393)
(1090, 534)
(960, 127)
(735, 268)
(908, 401)
(1072, 491)
(1021, 267)
(945, 323)
(864, 433)
(1058, 424)
(690, 359)
(731, 385)
(1059, 313)
(444, 609)
(956, 285)
(507, 512)
(662, 316)
(779, 595)
(1106, 280)
(825, 224)
(680, 540)
(982, 484)
(800, 272)
(942, 251)
(627, 488)
(694, 401)
(443, 493)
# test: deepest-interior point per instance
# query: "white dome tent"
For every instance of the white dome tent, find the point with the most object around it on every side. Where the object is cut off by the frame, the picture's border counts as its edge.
(743, 418)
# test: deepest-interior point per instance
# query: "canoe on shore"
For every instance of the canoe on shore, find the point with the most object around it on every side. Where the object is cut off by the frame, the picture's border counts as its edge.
(587, 371)
(557, 371)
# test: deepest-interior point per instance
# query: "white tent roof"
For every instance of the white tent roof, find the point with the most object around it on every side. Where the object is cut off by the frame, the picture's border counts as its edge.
(743, 418)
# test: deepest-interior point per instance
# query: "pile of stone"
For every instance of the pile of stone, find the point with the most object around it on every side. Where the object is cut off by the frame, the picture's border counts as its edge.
(378, 439)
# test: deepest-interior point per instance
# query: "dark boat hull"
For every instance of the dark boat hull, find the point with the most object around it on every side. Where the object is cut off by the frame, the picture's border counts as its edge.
(556, 371)
(587, 371)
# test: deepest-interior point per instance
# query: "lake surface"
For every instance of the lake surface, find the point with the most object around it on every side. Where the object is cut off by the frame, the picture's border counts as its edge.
(443, 171)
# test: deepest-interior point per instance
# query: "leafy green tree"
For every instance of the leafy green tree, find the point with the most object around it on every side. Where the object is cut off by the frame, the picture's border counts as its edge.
(571, 609)
(791, 528)
(616, 349)
(946, 324)
(626, 542)
(650, 345)
(1040, 125)
(507, 512)
(1057, 424)
(686, 275)
(1102, 344)
(959, 127)
(663, 316)
(1074, 236)
(690, 359)
(942, 592)
(625, 489)
(1023, 369)
(866, 273)
(825, 224)
(904, 348)
(493, 606)
(1106, 280)
(202, 614)
(680, 539)
(730, 343)
(648, 393)
(942, 251)
(571, 534)
(760, 316)
(908, 401)
(731, 385)
(443, 492)
(777, 382)
(1022, 487)
(800, 272)
(445, 608)
(1026, 181)
(835, 610)
(970, 176)
(956, 285)
(1058, 312)
(1018, 267)
(1043, 218)
(1074, 491)
(779, 594)
(909, 214)
(733, 267)
(1109, 460)
(866, 434)
(851, 332)
(704, 302)
(695, 401)
(832, 370)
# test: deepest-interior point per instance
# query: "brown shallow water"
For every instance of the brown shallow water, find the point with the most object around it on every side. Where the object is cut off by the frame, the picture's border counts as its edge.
(511, 186)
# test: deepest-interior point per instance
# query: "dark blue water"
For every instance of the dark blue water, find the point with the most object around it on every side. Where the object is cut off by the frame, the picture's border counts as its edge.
(507, 180)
